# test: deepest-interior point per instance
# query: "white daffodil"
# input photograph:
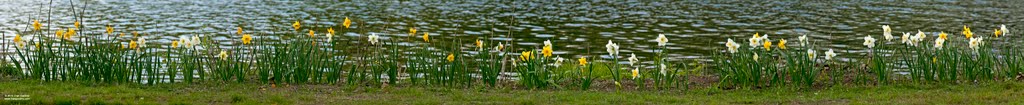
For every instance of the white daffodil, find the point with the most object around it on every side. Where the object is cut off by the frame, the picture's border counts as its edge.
(803, 40)
(632, 59)
(976, 42)
(868, 41)
(499, 47)
(613, 49)
(330, 37)
(755, 41)
(196, 41)
(939, 42)
(830, 54)
(1003, 29)
(919, 37)
(558, 61)
(905, 38)
(732, 46)
(373, 38)
(810, 54)
(142, 42)
(662, 40)
(663, 72)
(223, 55)
(756, 57)
(547, 43)
(185, 42)
(887, 32)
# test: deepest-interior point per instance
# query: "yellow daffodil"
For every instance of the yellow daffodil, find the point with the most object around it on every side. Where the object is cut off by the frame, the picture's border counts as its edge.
(330, 31)
(70, 33)
(583, 61)
(943, 35)
(546, 51)
(60, 33)
(246, 39)
(223, 55)
(782, 44)
(347, 22)
(77, 24)
(479, 45)
(935, 59)
(997, 32)
(133, 44)
(296, 25)
(636, 73)
(36, 25)
(239, 31)
(426, 37)
(174, 44)
(967, 32)
(500, 47)
(526, 55)
(451, 57)
(311, 34)
(110, 30)
(412, 31)
(17, 38)
(767, 45)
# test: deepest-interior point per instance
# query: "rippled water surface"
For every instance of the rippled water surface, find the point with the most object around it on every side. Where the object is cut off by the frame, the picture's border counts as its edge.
(577, 27)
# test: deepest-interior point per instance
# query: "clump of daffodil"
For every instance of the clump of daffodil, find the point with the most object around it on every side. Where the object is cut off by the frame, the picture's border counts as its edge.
(347, 22)
(223, 55)
(939, 42)
(67, 36)
(246, 39)
(583, 61)
(296, 25)
(887, 32)
(632, 59)
(830, 54)
(613, 49)
(426, 37)
(526, 55)
(662, 40)
(811, 55)
(36, 25)
(412, 31)
(636, 72)
(782, 44)
(546, 50)
(110, 30)
(967, 32)
(732, 46)
(373, 38)
(868, 41)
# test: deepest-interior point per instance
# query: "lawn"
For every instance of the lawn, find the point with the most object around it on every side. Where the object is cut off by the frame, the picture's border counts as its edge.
(251, 93)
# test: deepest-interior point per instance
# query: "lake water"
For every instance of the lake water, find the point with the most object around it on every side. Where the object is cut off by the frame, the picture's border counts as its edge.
(696, 29)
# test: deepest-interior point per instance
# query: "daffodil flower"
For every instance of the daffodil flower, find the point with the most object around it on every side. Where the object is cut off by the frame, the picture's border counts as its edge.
(296, 25)
(943, 35)
(732, 46)
(77, 24)
(887, 32)
(939, 42)
(500, 47)
(636, 73)
(613, 49)
(756, 57)
(426, 37)
(1002, 28)
(868, 41)
(755, 40)
(768, 45)
(412, 31)
(811, 55)
(239, 31)
(36, 25)
(347, 22)
(803, 40)
(662, 40)
(996, 32)
(967, 32)
(451, 57)
(558, 61)
(583, 61)
(195, 40)
(905, 38)
(174, 44)
(110, 30)
(373, 38)
(974, 43)
(782, 44)
(632, 59)
(142, 42)
(830, 54)
(246, 39)
(311, 34)
(663, 71)
(223, 55)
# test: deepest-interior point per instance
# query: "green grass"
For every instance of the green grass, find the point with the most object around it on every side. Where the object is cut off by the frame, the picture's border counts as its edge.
(251, 93)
